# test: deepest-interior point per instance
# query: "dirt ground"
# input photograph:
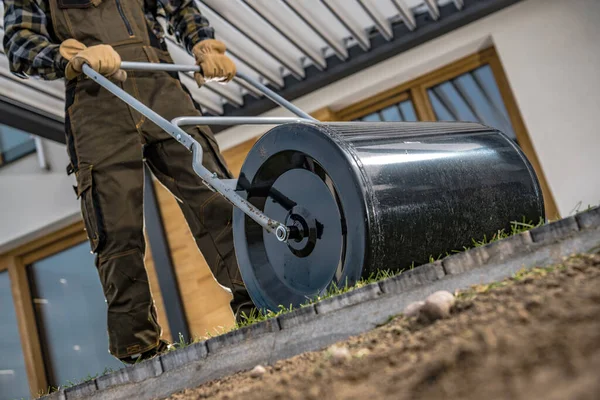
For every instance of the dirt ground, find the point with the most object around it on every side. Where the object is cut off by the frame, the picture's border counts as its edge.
(535, 336)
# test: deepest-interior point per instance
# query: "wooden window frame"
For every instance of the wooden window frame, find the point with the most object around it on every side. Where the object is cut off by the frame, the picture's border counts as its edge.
(16, 262)
(416, 90)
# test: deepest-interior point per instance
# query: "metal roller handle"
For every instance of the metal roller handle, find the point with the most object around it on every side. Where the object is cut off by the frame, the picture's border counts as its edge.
(210, 179)
(140, 66)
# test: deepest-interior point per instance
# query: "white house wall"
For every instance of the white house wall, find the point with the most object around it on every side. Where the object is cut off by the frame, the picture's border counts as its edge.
(549, 50)
(551, 56)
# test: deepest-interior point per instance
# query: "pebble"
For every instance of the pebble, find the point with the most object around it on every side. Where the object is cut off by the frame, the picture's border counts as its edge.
(339, 354)
(438, 305)
(533, 302)
(362, 353)
(523, 315)
(258, 371)
(313, 392)
(413, 309)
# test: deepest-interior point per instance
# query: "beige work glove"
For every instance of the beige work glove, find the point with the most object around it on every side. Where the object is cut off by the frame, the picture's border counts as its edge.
(216, 66)
(101, 58)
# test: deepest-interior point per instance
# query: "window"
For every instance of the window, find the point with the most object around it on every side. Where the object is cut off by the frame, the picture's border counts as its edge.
(13, 376)
(70, 310)
(402, 111)
(473, 96)
(14, 144)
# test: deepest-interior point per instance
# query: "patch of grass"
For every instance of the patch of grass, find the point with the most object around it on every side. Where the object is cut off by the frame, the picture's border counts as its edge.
(49, 390)
(516, 227)
(258, 316)
(88, 378)
(334, 289)
(577, 208)
(182, 343)
(69, 384)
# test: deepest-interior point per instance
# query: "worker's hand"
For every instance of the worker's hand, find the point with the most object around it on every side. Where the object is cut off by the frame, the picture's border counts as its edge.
(216, 66)
(101, 58)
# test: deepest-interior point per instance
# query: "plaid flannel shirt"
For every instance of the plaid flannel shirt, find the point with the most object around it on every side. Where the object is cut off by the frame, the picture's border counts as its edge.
(32, 49)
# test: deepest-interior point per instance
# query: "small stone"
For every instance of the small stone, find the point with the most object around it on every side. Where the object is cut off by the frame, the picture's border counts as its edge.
(534, 302)
(397, 331)
(413, 309)
(438, 305)
(362, 353)
(339, 354)
(523, 315)
(258, 371)
(488, 337)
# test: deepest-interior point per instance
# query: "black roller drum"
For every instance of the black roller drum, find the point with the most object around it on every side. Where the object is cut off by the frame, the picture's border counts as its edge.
(359, 197)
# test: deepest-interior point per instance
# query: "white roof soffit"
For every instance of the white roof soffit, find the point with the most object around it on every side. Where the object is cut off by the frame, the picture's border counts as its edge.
(280, 42)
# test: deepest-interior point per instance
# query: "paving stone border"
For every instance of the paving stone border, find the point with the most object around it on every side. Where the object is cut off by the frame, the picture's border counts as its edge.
(319, 325)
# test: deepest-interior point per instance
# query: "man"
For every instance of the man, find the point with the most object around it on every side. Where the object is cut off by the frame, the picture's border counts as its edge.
(108, 141)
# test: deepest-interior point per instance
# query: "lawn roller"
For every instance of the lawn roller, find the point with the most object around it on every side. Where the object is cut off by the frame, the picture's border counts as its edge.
(319, 203)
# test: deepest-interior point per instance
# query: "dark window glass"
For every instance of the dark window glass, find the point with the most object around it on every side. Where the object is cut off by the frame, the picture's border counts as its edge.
(71, 314)
(14, 144)
(403, 111)
(372, 118)
(408, 111)
(391, 114)
(473, 97)
(13, 376)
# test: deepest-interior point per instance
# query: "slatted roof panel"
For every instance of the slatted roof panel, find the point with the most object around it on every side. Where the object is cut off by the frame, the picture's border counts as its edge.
(271, 40)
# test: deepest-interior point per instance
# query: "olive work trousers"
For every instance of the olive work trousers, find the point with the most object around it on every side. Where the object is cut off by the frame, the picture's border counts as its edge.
(108, 142)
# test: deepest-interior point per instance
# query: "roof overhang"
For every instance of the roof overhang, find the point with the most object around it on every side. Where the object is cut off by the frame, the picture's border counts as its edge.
(450, 18)
(292, 49)
(29, 119)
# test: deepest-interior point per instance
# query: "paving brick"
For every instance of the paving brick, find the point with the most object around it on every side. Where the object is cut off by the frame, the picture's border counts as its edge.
(178, 358)
(135, 373)
(348, 299)
(422, 275)
(505, 248)
(81, 391)
(589, 219)
(554, 230)
(465, 261)
(297, 317)
(490, 253)
(240, 335)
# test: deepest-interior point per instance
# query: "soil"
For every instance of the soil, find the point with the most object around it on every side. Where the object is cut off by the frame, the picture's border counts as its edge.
(534, 336)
